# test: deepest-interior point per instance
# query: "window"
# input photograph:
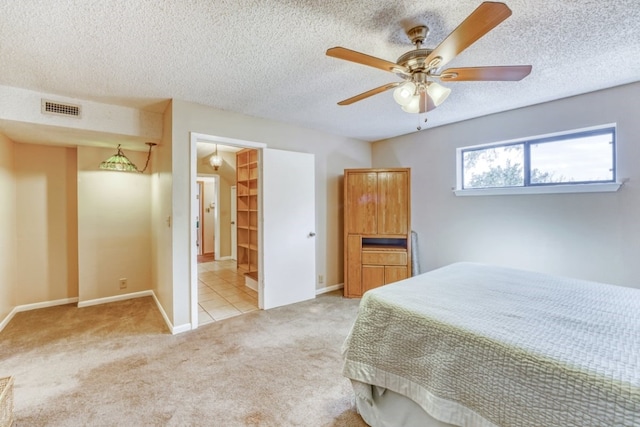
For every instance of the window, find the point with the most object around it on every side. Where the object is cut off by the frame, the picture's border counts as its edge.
(566, 159)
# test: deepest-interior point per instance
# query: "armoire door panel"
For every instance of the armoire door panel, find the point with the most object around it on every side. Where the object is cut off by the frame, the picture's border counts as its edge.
(372, 277)
(360, 191)
(394, 274)
(393, 199)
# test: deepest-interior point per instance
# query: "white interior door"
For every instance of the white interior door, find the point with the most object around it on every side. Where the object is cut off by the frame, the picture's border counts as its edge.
(288, 267)
(234, 217)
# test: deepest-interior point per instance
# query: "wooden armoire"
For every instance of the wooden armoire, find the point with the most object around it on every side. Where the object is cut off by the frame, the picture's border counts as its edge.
(377, 228)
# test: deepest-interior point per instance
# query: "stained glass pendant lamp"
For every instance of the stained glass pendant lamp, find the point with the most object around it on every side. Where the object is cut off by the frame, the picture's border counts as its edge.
(120, 162)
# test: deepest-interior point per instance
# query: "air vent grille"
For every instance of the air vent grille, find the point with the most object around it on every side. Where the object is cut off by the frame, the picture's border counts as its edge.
(52, 107)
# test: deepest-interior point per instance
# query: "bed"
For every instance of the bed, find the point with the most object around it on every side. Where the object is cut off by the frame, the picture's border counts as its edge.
(477, 345)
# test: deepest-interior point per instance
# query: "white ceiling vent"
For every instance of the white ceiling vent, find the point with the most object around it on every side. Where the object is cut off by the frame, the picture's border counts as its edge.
(60, 109)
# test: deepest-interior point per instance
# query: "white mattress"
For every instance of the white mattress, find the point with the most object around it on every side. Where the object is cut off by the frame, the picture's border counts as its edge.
(478, 345)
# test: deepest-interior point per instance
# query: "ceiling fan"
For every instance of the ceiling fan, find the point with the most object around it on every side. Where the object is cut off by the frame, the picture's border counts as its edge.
(419, 68)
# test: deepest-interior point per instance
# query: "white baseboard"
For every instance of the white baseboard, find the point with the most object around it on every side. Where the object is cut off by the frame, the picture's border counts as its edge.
(180, 329)
(329, 289)
(224, 258)
(35, 306)
(251, 283)
(46, 304)
(7, 319)
(174, 329)
(114, 298)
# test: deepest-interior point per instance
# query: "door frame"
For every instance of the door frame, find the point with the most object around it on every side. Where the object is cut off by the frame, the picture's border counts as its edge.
(193, 208)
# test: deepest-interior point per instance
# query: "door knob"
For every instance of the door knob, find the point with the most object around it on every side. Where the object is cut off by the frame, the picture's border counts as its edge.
(312, 234)
(233, 222)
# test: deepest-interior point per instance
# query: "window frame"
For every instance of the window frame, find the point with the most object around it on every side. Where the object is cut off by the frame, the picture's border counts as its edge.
(541, 188)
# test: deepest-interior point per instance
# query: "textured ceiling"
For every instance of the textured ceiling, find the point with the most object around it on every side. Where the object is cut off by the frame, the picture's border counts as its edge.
(266, 58)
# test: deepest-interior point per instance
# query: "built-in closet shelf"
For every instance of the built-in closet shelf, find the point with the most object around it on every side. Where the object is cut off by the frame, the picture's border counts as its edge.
(247, 210)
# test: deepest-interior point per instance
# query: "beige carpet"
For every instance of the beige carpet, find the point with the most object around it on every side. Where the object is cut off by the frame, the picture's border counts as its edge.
(116, 364)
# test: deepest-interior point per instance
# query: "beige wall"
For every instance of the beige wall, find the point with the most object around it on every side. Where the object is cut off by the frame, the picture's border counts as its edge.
(46, 248)
(332, 155)
(161, 218)
(114, 226)
(594, 236)
(8, 236)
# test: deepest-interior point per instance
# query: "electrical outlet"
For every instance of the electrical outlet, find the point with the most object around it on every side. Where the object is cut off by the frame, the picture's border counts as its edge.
(123, 283)
(321, 279)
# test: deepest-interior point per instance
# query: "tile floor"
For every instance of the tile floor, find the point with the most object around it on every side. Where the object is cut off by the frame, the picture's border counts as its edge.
(222, 292)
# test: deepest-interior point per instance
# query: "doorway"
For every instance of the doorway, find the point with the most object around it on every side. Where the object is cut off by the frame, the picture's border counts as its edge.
(222, 292)
(286, 243)
(221, 287)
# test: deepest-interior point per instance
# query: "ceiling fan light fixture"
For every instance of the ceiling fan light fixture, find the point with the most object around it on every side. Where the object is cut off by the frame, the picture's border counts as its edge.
(413, 106)
(437, 93)
(404, 93)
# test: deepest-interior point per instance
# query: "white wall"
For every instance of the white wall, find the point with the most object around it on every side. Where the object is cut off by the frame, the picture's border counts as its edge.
(7, 226)
(114, 226)
(595, 236)
(46, 224)
(332, 155)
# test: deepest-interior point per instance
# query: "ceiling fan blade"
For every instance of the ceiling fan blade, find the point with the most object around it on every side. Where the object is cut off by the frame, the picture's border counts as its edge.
(369, 93)
(482, 20)
(504, 73)
(371, 61)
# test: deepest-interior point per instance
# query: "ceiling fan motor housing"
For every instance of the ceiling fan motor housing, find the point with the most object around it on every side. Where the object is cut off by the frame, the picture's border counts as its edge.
(414, 60)
(418, 34)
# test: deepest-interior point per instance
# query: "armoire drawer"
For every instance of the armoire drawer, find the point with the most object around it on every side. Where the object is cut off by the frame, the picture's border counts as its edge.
(384, 258)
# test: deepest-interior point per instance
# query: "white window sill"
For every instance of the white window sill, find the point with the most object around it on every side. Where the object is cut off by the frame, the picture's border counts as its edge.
(543, 189)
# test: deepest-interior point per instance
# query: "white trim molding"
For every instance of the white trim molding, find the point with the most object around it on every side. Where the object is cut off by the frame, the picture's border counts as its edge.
(114, 298)
(331, 288)
(27, 307)
(542, 189)
(174, 329)
(35, 306)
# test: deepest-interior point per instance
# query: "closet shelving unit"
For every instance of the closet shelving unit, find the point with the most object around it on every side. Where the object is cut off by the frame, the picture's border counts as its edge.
(247, 211)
